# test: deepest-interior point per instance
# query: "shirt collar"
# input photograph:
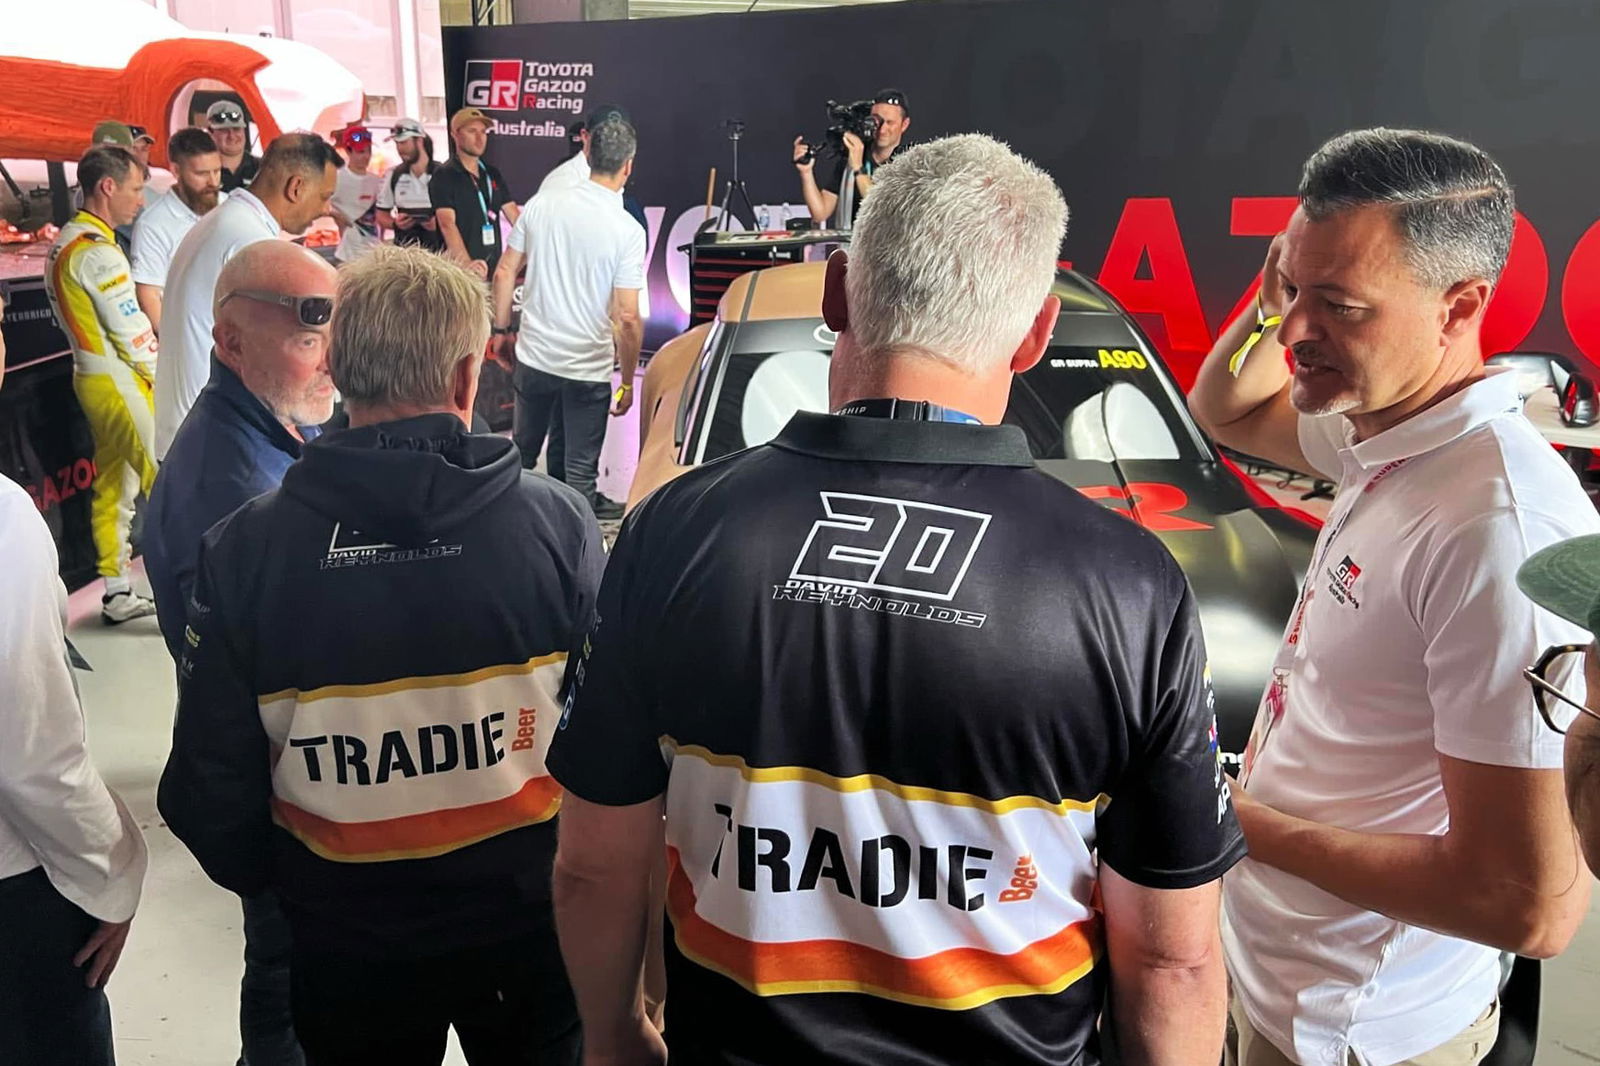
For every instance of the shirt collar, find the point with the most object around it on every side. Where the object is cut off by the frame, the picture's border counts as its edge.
(250, 200)
(893, 441)
(230, 388)
(89, 218)
(1479, 403)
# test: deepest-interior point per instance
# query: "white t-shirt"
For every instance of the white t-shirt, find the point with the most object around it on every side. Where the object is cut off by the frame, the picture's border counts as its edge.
(408, 193)
(184, 366)
(581, 244)
(157, 233)
(568, 175)
(356, 196)
(55, 809)
(1410, 643)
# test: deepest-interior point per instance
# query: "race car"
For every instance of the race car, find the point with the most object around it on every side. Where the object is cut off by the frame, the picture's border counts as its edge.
(1100, 412)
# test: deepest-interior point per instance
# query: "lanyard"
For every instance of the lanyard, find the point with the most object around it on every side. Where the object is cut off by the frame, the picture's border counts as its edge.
(907, 411)
(477, 187)
(1277, 694)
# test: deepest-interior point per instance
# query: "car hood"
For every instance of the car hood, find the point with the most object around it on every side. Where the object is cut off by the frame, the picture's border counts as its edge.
(1244, 562)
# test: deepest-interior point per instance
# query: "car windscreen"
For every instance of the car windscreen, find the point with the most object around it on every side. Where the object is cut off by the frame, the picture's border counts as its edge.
(1078, 403)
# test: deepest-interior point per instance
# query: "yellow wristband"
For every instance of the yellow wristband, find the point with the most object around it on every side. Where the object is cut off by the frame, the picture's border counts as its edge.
(1264, 322)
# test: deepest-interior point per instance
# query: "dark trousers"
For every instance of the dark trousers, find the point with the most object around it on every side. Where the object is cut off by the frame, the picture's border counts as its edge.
(266, 1023)
(510, 1005)
(572, 414)
(47, 1016)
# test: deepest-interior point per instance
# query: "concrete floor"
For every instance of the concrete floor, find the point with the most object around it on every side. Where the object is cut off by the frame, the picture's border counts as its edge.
(175, 993)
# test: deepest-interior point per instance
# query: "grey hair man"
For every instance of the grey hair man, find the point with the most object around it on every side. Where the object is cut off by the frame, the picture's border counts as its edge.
(1397, 754)
(791, 646)
(580, 314)
(407, 822)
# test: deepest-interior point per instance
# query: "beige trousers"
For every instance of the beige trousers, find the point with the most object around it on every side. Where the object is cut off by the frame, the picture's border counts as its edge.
(1247, 1047)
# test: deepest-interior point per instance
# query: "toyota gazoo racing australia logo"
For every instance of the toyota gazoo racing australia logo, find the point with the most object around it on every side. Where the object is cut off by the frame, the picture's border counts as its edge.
(874, 553)
(494, 84)
(1342, 583)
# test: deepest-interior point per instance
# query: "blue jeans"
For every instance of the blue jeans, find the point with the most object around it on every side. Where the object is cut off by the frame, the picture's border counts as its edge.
(47, 1016)
(266, 1023)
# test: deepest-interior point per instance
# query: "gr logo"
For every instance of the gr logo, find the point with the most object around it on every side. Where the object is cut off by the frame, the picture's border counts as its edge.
(494, 84)
(873, 542)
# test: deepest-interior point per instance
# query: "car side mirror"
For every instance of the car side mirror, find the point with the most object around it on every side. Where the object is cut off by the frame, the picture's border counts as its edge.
(1578, 405)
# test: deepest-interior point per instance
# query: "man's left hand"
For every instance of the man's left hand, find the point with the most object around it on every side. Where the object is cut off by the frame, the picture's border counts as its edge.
(855, 151)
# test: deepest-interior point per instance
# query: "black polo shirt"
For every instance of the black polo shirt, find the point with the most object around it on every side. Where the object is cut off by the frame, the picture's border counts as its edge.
(903, 692)
(249, 165)
(830, 173)
(468, 195)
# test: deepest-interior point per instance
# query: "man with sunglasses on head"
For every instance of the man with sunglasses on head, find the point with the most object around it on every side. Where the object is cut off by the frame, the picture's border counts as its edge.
(292, 190)
(355, 197)
(225, 119)
(847, 178)
(404, 204)
(1401, 798)
(1565, 580)
(269, 390)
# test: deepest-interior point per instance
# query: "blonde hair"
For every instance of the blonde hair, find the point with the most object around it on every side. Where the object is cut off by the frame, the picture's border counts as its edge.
(404, 319)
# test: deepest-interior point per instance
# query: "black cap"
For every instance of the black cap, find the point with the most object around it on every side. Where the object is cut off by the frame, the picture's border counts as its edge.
(895, 97)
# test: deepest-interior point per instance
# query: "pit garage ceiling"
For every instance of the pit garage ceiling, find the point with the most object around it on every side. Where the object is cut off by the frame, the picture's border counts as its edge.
(640, 9)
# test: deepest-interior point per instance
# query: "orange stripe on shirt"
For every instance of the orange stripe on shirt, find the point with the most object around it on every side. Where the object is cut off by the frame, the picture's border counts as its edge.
(58, 277)
(955, 979)
(419, 836)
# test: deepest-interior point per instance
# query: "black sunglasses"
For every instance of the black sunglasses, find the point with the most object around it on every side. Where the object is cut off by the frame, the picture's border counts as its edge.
(1544, 691)
(228, 114)
(312, 311)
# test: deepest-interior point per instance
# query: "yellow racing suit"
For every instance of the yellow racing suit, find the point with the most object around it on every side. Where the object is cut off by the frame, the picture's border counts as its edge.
(114, 370)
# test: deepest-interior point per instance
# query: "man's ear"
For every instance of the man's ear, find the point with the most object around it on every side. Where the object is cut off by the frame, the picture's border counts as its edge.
(1037, 340)
(835, 304)
(1465, 303)
(294, 189)
(464, 384)
(225, 342)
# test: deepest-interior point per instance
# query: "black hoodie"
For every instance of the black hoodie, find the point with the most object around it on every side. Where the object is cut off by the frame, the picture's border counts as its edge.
(371, 680)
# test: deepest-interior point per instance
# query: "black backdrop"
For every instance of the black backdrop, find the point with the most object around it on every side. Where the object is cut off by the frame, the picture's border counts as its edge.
(1173, 126)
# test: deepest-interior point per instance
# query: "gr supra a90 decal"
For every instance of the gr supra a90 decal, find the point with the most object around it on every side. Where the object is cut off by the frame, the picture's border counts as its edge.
(1150, 503)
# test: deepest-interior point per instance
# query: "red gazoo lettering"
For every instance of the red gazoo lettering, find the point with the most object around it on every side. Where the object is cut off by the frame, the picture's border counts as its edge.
(1147, 269)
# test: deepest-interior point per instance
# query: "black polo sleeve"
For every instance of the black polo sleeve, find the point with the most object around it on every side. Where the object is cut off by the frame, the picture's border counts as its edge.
(830, 172)
(1170, 823)
(444, 188)
(607, 748)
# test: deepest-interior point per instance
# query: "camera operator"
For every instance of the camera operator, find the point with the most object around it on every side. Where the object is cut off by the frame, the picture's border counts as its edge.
(850, 160)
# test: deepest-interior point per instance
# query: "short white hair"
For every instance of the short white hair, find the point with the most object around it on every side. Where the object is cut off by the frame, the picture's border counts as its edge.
(954, 253)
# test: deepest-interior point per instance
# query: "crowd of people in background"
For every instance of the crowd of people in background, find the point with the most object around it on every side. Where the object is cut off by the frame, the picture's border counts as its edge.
(457, 762)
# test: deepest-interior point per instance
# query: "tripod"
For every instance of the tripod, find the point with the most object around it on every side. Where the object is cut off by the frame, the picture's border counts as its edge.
(726, 216)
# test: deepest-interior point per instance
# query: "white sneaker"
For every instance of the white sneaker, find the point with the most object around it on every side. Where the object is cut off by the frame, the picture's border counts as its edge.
(124, 607)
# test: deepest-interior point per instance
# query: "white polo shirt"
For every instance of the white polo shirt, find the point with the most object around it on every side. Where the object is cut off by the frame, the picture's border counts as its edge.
(184, 366)
(356, 197)
(1410, 643)
(568, 175)
(157, 232)
(581, 244)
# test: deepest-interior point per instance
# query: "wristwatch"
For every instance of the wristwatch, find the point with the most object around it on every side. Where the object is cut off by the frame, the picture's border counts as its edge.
(503, 331)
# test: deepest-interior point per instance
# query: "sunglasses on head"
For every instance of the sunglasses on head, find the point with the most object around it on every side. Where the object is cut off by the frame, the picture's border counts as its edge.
(311, 311)
(356, 140)
(230, 114)
(891, 98)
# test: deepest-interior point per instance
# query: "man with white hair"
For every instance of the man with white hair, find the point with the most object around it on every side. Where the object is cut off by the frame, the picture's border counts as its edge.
(932, 733)
(369, 683)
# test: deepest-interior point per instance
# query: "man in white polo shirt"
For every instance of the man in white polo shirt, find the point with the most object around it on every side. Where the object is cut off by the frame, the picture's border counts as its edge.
(580, 313)
(290, 191)
(162, 226)
(1404, 810)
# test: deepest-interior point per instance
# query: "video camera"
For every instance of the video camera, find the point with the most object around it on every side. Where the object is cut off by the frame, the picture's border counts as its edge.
(856, 118)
